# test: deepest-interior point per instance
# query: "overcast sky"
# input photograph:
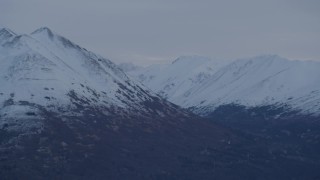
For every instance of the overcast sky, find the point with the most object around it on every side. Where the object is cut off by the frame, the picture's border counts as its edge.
(152, 31)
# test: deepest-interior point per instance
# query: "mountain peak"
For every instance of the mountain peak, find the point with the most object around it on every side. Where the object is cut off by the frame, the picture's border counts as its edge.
(5, 32)
(190, 59)
(44, 30)
(44, 34)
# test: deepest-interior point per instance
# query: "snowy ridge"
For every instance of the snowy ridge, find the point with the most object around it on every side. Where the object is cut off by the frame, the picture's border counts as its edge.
(204, 85)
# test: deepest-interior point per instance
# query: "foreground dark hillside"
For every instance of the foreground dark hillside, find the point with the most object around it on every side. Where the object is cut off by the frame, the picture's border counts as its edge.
(96, 146)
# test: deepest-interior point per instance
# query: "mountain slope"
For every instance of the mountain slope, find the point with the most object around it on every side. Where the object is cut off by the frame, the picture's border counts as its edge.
(258, 81)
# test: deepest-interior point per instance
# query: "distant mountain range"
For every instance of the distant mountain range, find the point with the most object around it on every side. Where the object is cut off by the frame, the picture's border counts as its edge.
(202, 84)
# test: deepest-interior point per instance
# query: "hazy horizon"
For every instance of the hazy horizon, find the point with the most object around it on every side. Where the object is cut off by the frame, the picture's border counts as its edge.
(146, 32)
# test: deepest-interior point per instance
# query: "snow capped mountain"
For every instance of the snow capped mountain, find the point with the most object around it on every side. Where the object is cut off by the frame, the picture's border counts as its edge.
(44, 70)
(67, 113)
(203, 85)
